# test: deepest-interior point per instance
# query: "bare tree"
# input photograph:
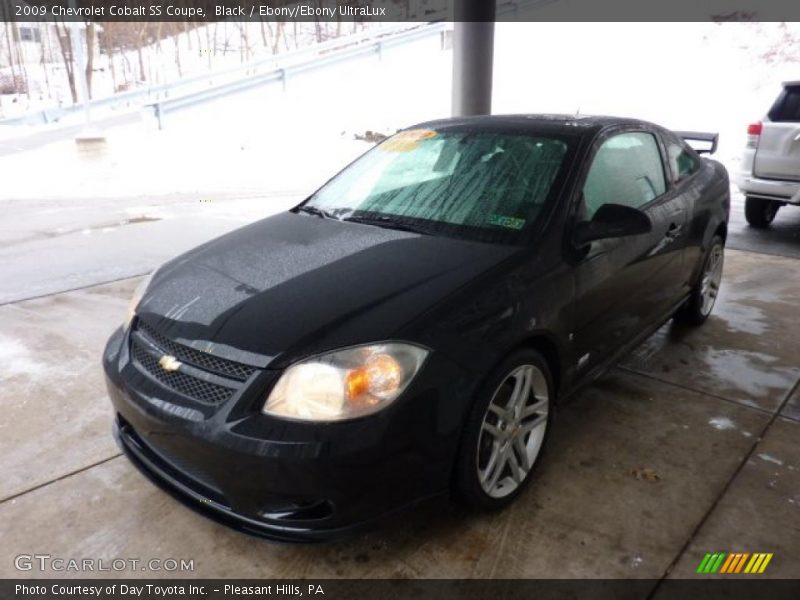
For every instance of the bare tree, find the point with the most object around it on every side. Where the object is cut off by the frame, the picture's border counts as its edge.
(176, 39)
(317, 26)
(90, 31)
(263, 34)
(278, 31)
(139, 43)
(785, 47)
(23, 71)
(186, 33)
(108, 42)
(65, 44)
(197, 33)
(44, 62)
(208, 42)
(11, 61)
(4, 16)
(244, 53)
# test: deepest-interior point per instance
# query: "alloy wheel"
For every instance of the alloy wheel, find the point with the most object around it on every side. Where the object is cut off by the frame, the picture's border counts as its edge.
(512, 431)
(712, 277)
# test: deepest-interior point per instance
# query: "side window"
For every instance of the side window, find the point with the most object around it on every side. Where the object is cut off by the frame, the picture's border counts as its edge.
(681, 162)
(627, 169)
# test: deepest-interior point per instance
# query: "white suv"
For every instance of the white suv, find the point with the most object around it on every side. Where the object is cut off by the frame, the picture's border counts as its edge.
(770, 176)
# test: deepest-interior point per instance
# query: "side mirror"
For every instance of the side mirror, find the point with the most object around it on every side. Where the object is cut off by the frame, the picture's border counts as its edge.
(612, 221)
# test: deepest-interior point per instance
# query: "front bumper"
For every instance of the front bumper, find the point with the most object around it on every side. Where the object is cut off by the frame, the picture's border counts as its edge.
(185, 489)
(282, 480)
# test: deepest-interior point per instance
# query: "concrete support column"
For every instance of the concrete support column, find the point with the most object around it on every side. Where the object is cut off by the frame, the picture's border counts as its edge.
(473, 57)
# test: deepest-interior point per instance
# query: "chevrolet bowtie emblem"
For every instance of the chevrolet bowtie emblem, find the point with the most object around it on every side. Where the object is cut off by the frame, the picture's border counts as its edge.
(169, 363)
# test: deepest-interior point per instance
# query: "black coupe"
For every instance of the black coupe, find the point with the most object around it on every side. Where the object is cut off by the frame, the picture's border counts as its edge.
(406, 332)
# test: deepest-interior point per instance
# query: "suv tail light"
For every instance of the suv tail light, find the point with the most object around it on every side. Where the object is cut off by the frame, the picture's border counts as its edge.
(753, 133)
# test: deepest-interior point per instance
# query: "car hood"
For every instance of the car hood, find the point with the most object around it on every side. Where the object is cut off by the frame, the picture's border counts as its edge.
(294, 285)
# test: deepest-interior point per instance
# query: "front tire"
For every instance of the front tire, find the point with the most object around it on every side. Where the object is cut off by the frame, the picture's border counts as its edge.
(505, 432)
(759, 212)
(704, 293)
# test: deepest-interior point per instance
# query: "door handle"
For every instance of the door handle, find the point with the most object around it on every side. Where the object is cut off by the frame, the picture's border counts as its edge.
(673, 231)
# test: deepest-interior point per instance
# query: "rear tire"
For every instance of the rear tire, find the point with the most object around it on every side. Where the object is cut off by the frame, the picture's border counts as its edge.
(704, 293)
(505, 432)
(760, 212)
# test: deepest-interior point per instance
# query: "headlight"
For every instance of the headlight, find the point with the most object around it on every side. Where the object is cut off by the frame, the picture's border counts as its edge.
(137, 297)
(345, 384)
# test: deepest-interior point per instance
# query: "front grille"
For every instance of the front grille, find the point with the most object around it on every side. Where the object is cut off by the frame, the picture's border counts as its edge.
(188, 385)
(201, 360)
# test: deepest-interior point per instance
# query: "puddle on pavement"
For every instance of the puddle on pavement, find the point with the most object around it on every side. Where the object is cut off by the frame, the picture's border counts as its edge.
(754, 373)
(102, 227)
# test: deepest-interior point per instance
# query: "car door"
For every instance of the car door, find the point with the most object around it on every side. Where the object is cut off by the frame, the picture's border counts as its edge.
(624, 284)
(778, 152)
(684, 165)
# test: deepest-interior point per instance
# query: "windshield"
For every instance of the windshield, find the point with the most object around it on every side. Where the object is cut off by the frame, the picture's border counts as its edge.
(477, 185)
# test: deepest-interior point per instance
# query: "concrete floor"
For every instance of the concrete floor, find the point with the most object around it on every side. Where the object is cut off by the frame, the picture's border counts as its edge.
(691, 445)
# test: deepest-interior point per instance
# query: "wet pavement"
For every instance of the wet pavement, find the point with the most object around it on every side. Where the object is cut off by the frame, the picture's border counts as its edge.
(689, 446)
(749, 356)
(782, 238)
(98, 240)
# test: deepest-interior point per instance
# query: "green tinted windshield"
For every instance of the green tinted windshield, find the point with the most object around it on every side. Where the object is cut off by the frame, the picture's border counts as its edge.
(487, 186)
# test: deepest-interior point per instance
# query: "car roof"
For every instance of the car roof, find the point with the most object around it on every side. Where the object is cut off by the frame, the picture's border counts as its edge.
(535, 123)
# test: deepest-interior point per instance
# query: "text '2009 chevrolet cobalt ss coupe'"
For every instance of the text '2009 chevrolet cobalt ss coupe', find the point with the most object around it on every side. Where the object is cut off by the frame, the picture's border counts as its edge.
(406, 331)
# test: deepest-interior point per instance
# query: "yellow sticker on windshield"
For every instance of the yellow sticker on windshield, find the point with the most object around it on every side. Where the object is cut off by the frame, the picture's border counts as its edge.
(406, 141)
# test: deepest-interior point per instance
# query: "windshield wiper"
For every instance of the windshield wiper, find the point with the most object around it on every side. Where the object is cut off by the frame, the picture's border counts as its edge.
(389, 223)
(317, 212)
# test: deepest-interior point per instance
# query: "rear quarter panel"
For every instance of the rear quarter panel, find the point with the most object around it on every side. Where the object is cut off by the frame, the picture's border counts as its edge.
(709, 199)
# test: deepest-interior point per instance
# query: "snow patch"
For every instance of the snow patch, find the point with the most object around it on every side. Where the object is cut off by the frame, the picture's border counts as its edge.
(16, 360)
(772, 459)
(721, 423)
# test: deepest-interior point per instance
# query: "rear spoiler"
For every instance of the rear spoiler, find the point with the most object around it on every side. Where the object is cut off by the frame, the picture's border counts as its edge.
(699, 136)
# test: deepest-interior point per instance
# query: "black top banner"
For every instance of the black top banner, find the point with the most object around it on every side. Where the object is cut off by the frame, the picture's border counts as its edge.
(398, 10)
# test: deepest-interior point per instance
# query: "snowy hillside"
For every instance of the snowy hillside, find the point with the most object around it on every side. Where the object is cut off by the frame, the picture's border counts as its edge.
(702, 76)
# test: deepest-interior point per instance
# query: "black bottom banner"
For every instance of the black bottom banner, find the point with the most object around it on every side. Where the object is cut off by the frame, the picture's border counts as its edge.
(395, 589)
